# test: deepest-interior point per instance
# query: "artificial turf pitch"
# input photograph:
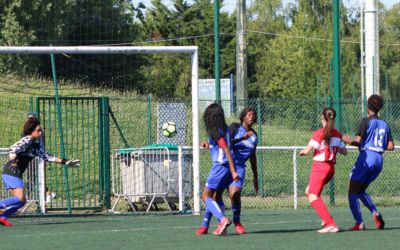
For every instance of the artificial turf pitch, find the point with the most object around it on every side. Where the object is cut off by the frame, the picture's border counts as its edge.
(266, 229)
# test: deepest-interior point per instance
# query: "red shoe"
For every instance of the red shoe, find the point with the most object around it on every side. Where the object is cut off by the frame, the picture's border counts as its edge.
(239, 228)
(222, 226)
(380, 223)
(5, 222)
(202, 230)
(357, 227)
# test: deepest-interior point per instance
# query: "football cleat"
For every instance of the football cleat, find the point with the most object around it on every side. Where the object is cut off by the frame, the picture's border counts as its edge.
(5, 222)
(202, 230)
(329, 229)
(239, 228)
(380, 223)
(222, 227)
(357, 227)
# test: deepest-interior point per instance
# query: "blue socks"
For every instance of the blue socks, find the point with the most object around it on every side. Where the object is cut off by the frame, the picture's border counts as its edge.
(11, 204)
(355, 207)
(213, 207)
(206, 218)
(236, 212)
(208, 215)
(366, 200)
(8, 202)
(11, 209)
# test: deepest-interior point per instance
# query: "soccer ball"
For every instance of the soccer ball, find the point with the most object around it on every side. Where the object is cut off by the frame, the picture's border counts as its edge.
(169, 129)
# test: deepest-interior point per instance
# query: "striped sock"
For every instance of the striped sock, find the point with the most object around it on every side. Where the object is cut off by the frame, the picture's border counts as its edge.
(213, 207)
(12, 209)
(206, 218)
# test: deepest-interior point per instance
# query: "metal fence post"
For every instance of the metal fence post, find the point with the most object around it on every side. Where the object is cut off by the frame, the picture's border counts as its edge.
(260, 158)
(295, 178)
(60, 128)
(180, 179)
(332, 191)
(106, 151)
(149, 139)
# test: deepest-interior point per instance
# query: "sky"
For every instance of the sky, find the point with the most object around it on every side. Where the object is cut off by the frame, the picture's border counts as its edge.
(229, 5)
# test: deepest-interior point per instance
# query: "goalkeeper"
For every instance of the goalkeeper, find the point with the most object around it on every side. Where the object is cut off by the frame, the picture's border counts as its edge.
(20, 155)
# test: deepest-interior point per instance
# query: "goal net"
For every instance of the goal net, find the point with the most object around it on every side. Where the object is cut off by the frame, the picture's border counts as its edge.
(106, 113)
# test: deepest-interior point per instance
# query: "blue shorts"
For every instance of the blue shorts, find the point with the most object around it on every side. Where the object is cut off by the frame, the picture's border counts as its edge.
(367, 167)
(11, 182)
(241, 171)
(219, 177)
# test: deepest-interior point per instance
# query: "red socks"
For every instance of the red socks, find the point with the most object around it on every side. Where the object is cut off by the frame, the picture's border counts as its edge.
(322, 211)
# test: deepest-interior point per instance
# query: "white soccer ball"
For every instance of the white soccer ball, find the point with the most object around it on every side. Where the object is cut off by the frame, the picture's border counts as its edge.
(169, 129)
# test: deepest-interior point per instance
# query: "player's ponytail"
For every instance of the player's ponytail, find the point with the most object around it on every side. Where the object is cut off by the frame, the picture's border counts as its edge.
(214, 119)
(329, 115)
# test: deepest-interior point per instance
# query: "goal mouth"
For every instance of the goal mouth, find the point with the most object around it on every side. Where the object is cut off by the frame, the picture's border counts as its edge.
(192, 51)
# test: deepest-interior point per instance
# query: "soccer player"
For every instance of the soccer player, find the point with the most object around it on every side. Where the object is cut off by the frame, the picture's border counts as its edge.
(326, 143)
(373, 138)
(243, 147)
(39, 145)
(20, 155)
(223, 170)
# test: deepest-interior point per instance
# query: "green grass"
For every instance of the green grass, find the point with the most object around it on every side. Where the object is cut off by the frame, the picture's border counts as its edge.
(266, 229)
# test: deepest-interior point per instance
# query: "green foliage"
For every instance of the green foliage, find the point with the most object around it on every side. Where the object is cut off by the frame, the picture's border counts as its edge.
(194, 22)
(289, 44)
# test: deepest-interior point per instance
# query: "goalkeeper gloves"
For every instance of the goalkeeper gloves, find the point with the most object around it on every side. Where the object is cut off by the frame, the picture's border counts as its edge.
(71, 163)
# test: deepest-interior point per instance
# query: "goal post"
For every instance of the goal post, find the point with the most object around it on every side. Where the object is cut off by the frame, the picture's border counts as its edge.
(192, 50)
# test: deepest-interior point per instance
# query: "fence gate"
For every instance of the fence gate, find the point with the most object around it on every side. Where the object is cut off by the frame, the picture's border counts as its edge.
(85, 127)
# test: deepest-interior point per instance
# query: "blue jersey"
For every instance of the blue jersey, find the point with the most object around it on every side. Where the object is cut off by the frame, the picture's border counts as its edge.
(244, 149)
(375, 134)
(217, 154)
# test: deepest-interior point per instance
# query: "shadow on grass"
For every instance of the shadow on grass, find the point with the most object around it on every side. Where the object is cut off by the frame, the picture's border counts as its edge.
(282, 231)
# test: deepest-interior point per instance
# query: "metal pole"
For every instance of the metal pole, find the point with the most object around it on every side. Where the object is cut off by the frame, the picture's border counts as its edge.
(196, 135)
(371, 49)
(62, 149)
(336, 62)
(362, 52)
(149, 136)
(180, 178)
(241, 60)
(295, 194)
(260, 158)
(216, 52)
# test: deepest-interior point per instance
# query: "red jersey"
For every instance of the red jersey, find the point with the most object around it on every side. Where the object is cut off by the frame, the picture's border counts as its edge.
(322, 152)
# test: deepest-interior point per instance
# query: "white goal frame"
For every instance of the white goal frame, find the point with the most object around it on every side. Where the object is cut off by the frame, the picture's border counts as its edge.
(192, 50)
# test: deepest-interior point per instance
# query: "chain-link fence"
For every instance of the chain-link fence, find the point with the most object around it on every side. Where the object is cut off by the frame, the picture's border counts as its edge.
(283, 122)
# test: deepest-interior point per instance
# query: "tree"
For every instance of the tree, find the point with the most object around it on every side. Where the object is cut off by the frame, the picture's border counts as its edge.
(292, 61)
(186, 24)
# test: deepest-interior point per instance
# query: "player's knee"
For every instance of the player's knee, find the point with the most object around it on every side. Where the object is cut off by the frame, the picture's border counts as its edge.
(355, 187)
(312, 197)
(21, 198)
(236, 196)
(207, 193)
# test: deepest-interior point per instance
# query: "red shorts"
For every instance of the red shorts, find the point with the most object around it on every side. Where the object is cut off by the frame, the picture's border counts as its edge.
(321, 173)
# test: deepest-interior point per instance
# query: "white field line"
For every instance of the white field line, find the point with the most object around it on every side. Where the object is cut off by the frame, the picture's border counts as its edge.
(157, 228)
